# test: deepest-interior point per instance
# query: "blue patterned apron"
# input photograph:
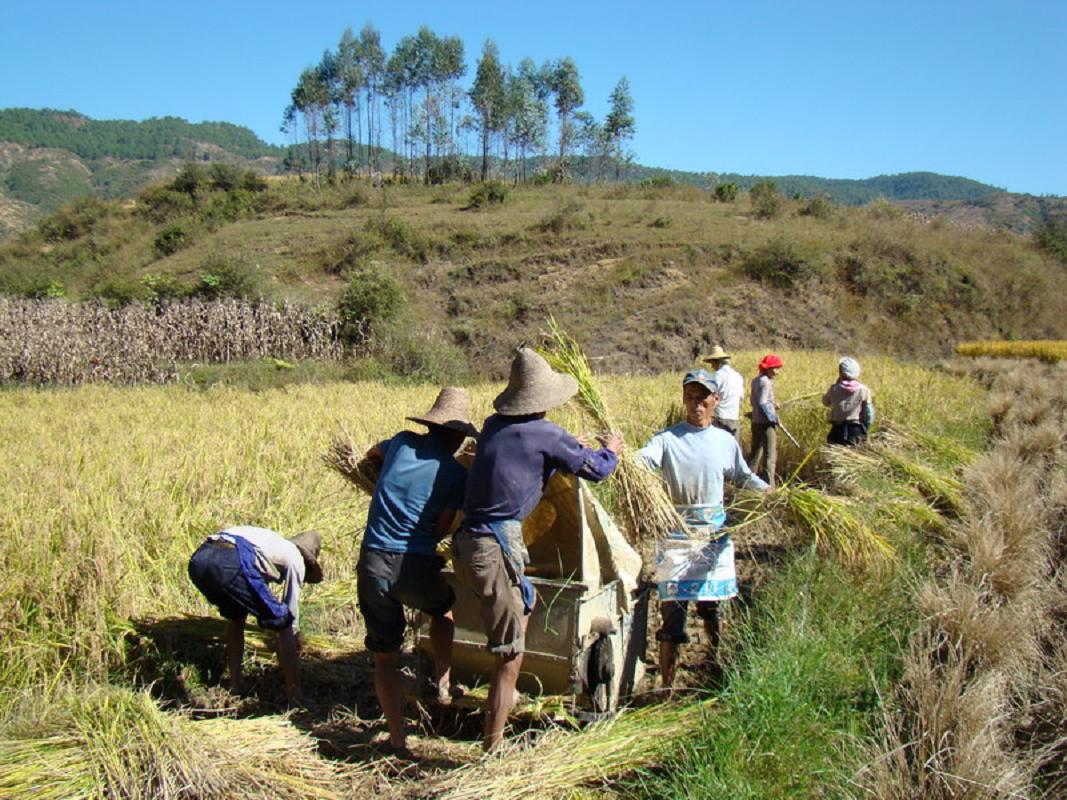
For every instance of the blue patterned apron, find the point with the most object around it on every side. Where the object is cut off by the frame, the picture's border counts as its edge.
(699, 566)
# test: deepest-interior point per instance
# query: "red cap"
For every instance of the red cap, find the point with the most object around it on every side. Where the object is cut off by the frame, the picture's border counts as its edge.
(769, 361)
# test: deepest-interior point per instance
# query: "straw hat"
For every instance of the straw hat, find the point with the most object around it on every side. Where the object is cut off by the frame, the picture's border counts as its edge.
(309, 543)
(716, 354)
(533, 387)
(451, 409)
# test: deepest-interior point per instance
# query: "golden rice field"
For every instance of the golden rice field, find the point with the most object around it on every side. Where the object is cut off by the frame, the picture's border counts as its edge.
(1049, 350)
(105, 492)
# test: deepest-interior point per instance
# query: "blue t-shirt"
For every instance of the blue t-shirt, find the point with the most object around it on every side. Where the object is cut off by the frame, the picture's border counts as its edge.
(420, 478)
(516, 456)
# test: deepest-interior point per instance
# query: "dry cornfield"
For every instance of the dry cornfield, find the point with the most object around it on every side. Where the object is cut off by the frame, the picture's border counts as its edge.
(52, 342)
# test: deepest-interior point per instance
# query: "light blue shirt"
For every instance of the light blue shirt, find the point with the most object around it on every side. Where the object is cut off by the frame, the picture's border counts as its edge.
(694, 463)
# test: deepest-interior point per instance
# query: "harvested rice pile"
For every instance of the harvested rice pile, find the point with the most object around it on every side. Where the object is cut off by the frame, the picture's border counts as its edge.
(345, 457)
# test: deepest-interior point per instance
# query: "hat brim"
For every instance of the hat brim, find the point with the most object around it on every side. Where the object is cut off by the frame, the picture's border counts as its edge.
(713, 359)
(312, 567)
(558, 391)
(452, 424)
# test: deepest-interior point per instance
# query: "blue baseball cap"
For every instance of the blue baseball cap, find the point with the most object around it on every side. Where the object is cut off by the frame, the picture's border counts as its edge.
(704, 378)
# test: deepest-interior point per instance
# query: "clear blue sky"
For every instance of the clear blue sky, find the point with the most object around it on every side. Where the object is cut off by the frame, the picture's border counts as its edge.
(835, 89)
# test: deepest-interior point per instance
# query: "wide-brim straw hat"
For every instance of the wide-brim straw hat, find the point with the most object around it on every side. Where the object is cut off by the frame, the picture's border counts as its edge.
(533, 386)
(309, 543)
(451, 409)
(716, 354)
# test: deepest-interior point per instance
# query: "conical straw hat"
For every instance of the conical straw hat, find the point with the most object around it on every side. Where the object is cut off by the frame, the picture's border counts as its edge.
(533, 387)
(451, 409)
(717, 354)
(309, 543)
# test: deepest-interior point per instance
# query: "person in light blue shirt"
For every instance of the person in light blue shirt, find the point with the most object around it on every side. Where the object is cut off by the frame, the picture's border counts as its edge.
(695, 458)
(420, 487)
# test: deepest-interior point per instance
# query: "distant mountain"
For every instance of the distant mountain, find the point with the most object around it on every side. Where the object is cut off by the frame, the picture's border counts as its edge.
(49, 157)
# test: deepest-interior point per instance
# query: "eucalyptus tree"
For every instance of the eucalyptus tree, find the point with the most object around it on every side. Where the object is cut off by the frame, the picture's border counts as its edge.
(488, 98)
(350, 82)
(448, 67)
(400, 77)
(619, 125)
(311, 100)
(566, 86)
(372, 65)
(329, 80)
(527, 110)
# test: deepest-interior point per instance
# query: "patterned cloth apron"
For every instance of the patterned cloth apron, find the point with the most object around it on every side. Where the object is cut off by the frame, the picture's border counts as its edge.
(700, 567)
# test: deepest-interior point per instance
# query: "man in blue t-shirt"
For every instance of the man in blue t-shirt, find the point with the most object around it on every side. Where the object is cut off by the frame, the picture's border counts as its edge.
(420, 487)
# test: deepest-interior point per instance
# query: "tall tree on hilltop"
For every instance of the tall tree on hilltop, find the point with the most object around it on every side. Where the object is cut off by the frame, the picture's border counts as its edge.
(448, 67)
(565, 83)
(401, 77)
(329, 79)
(619, 126)
(528, 110)
(372, 65)
(488, 98)
(350, 81)
(311, 99)
(423, 76)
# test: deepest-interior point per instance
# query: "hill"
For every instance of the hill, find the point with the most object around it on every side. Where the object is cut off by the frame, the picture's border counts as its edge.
(49, 158)
(648, 276)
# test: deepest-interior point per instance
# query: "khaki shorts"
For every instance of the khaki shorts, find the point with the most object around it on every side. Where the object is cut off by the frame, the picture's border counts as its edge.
(480, 566)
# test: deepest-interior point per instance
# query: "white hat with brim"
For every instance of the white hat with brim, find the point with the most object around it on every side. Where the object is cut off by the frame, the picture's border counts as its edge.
(716, 354)
(451, 409)
(533, 386)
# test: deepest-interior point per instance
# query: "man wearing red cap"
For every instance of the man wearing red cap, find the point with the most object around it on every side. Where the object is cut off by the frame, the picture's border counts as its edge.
(764, 453)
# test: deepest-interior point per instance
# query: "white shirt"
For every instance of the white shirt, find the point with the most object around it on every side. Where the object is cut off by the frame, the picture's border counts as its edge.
(731, 392)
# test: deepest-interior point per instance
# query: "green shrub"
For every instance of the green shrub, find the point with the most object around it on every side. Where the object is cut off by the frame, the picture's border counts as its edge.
(191, 180)
(781, 264)
(41, 288)
(818, 207)
(350, 253)
(119, 292)
(408, 350)
(73, 221)
(1051, 237)
(401, 238)
(487, 194)
(659, 182)
(884, 209)
(370, 300)
(159, 287)
(766, 201)
(567, 216)
(661, 222)
(162, 204)
(173, 238)
(232, 277)
(726, 192)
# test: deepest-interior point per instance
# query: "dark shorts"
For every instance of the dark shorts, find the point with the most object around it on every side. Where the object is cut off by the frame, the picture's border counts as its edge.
(674, 613)
(215, 570)
(387, 582)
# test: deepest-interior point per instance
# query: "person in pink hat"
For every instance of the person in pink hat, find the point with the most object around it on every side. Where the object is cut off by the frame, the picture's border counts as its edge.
(764, 453)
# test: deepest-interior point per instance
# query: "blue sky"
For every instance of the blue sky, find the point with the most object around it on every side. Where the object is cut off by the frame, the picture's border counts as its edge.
(835, 89)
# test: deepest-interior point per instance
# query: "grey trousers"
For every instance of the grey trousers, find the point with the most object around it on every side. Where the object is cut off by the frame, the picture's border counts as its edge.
(764, 454)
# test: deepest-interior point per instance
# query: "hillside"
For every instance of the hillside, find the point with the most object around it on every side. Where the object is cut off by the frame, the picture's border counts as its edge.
(647, 276)
(49, 158)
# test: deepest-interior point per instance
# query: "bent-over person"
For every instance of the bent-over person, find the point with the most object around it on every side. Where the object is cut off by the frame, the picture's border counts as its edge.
(694, 459)
(232, 569)
(517, 453)
(420, 487)
(851, 405)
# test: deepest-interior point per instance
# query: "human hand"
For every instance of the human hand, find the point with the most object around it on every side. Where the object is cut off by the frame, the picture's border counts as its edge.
(613, 442)
(587, 440)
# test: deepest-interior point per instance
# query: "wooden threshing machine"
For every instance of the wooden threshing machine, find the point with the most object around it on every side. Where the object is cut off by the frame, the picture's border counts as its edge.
(586, 635)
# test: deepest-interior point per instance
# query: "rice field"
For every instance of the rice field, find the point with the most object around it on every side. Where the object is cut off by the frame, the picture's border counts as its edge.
(105, 492)
(1048, 350)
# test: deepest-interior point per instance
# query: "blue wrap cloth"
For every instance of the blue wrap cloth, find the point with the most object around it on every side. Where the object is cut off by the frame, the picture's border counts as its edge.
(273, 614)
(508, 534)
(699, 566)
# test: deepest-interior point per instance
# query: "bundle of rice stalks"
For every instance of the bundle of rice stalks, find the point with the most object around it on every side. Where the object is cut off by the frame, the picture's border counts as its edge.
(944, 449)
(345, 457)
(650, 514)
(833, 525)
(561, 760)
(118, 743)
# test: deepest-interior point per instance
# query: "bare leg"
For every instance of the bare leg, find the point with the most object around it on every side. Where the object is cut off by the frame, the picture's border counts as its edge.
(442, 632)
(235, 649)
(501, 699)
(668, 660)
(289, 661)
(387, 687)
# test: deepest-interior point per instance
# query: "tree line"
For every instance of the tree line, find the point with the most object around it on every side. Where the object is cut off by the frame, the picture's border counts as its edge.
(406, 110)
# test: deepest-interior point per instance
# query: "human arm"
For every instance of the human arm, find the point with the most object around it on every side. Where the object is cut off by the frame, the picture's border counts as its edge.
(570, 455)
(739, 473)
(867, 411)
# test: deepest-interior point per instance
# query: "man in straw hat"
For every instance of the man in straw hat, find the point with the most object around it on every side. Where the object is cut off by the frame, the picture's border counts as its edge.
(731, 392)
(694, 457)
(851, 405)
(518, 451)
(232, 569)
(420, 487)
(763, 457)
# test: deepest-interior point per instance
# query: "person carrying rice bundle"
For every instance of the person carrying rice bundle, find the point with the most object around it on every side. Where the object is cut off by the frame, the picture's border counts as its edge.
(518, 452)
(763, 456)
(851, 406)
(731, 392)
(419, 489)
(694, 457)
(232, 569)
